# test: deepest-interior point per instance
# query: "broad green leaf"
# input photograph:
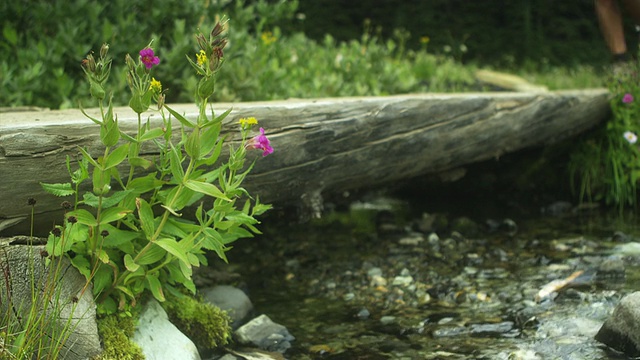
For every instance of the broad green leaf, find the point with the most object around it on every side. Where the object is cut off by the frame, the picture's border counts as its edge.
(205, 188)
(152, 134)
(116, 157)
(175, 273)
(192, 146)
(180, 118)
(102, 279)
(10, 34)
(193, 259)
(107, 201)
(126, 291)
(242, 218)
(190, 285)
(83, 217)
(103, 256)
(130, 264)
(64, 189)
(186, 269)
(81, 263)
(144, 184)
(109, 131)
(175, 164)
(117, 236)
(173, 248)
(152, 255)
(112, 214)
(140, 162)
(156, 288)
(146, 217)
(181, 200)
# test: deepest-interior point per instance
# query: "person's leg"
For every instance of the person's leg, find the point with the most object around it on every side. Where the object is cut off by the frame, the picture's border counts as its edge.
(611, 25)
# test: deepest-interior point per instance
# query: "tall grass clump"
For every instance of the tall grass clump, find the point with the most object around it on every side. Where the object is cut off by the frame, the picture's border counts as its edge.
(606, 164)
(33, 324)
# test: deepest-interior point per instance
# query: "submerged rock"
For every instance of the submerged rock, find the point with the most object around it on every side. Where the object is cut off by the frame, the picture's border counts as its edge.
(265, 334)
(621, 331)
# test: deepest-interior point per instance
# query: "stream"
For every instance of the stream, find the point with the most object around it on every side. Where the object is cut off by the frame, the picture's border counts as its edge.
(392, 276)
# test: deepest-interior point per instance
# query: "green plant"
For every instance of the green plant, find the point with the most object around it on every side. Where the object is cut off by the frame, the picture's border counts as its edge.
(127, 234)
(606, 164)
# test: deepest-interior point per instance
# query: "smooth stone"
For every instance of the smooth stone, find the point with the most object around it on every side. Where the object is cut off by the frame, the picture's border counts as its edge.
(159, 339)
(230, 299)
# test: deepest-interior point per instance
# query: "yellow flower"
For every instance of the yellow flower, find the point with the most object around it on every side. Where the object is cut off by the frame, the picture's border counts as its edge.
(156, 85)
(201, 57)
(424, 40)
(248, 121)
(268, 38)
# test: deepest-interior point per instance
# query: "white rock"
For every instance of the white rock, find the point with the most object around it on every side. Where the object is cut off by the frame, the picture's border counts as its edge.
(159, 338)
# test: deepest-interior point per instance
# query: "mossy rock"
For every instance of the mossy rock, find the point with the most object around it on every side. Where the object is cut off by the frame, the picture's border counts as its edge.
(205, 324)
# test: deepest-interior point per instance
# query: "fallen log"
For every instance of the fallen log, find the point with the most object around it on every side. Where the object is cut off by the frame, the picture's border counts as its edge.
(321, 145)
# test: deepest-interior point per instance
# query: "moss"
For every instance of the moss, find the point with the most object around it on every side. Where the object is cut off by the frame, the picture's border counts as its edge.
(205, 324)
(116, 332)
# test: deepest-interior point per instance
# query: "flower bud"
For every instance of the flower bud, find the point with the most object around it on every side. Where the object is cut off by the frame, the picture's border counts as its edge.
(91, 63)
(104, 50)
(130, 63)
(217, 30)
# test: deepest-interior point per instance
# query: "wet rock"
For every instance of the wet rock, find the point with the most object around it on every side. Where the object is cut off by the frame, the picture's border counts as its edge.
(558, 208)
(509, 226)
(621, 331)
(387, 320)
(505, 328)
(265, 334)
(230, 299)
(465, 226)
(620, 236)
(611, 270)
(363, 314)
(159, 338)
(631, 249)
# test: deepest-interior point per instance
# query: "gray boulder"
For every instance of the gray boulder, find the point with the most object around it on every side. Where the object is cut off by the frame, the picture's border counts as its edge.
(230, 299)
(621, 331)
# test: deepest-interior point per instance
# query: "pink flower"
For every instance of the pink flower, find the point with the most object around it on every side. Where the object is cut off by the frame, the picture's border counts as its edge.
(148, 57)
(261, 142)
(627, 98)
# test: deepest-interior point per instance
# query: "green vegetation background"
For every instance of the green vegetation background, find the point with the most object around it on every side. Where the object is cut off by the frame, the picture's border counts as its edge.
(280, 49)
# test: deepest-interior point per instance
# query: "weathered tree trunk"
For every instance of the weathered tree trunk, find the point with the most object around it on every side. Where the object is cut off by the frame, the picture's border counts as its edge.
(53, 301)
(321, 145)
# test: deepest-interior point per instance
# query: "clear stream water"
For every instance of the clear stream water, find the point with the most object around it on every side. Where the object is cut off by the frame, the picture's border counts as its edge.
(450, 296)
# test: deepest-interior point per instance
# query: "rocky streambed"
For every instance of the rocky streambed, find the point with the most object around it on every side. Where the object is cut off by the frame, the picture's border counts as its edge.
(384, 279)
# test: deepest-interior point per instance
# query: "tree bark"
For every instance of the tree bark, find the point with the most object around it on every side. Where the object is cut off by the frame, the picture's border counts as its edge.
(321, 145)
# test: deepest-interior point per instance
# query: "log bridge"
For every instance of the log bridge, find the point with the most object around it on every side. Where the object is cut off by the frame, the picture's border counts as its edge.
(321, 145)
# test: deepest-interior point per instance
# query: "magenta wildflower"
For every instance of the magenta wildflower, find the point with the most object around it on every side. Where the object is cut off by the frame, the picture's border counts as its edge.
(262, 143)
(627, 98)
(148, 57)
